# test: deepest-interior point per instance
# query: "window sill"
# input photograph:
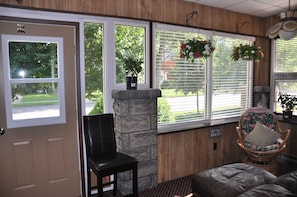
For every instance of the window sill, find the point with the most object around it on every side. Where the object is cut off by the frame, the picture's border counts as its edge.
(293, 120)
(195, 125)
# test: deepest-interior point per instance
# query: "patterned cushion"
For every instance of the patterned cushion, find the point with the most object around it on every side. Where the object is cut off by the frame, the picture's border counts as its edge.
(249, 120)
(262, 136)
(258, 148)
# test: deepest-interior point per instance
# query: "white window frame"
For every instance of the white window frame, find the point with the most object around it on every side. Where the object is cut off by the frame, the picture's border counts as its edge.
(11, 123)
(208, 119)
(276, 77)
(109, 62)
(146, 26)
(110, 59)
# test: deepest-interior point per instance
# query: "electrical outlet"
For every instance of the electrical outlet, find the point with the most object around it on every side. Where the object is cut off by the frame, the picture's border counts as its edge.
(215, 146)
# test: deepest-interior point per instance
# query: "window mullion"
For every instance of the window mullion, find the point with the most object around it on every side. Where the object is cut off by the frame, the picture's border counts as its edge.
(209, 88)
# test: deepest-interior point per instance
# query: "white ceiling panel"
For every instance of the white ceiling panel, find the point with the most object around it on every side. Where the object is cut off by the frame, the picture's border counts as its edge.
(221, 4)
(261, 8)
(271, 11)
(249, 8)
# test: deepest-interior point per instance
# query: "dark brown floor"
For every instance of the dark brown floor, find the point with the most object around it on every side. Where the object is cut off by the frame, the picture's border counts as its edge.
(286, 164)
(182, 186)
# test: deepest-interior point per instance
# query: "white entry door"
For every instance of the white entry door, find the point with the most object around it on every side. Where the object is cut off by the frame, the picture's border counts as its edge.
(39, 148)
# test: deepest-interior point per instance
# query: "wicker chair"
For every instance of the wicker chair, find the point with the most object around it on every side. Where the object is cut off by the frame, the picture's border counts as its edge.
(260, 155)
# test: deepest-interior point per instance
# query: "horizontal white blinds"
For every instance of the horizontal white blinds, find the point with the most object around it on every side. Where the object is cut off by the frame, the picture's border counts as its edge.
(230, 87)
(286, 55)
(284, 75)
(212, 88)
(182, 83)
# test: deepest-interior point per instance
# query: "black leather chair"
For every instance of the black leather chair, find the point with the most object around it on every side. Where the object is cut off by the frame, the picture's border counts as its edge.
(102, 156)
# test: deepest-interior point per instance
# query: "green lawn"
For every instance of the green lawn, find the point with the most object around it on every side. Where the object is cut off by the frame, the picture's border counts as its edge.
(173, 93)
(37, 99)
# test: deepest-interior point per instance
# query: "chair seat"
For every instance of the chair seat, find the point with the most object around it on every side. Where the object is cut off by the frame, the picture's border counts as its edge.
(264, 148)
(118, 161)
(248, 127)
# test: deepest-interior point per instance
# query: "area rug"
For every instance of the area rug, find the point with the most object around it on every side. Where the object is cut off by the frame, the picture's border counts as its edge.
(189, 195)
(176, 188)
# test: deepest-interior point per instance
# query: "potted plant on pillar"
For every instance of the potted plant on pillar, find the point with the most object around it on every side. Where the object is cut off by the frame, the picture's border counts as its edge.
(132, 67)
(288, 103)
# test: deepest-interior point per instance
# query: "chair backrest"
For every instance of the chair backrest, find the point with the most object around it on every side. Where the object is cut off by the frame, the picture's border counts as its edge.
(253, 115)
(99, 135)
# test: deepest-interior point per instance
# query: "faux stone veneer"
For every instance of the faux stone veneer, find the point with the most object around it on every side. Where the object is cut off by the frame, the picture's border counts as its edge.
(136, 134)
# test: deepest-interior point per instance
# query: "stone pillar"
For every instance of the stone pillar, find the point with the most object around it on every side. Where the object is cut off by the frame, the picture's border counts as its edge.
(136, 135)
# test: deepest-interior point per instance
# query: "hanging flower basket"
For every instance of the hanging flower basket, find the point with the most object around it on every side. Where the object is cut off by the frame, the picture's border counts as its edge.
(247, 52)
(196, 48)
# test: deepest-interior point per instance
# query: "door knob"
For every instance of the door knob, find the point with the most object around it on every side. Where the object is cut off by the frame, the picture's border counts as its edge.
(2, 131)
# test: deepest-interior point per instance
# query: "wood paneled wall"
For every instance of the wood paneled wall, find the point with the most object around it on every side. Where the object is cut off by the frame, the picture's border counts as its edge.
(170, 11)
(184, 153)
(291, 149)
(261, 74)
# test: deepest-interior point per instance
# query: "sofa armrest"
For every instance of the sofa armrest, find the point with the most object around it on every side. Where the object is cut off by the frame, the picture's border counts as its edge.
(229, 180)
(267, 190)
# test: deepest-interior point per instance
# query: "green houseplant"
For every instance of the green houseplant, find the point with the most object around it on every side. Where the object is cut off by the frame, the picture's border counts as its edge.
(132, 67)
(288, 103)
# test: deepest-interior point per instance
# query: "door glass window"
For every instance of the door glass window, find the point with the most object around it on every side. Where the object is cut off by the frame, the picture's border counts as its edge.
(34, 80)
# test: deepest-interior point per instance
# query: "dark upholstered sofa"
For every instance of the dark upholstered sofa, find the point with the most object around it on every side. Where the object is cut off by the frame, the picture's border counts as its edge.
(243, 180)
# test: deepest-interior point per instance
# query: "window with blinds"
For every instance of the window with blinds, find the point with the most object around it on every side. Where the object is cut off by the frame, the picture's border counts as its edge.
(207, 89)
(183, 84)
(231, 86)
(284, 72)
